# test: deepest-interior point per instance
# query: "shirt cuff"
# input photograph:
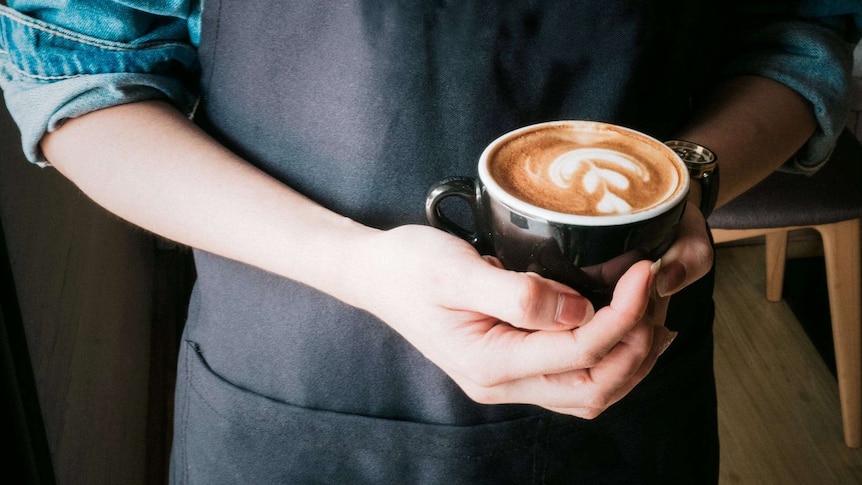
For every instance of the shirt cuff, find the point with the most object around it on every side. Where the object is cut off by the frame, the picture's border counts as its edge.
(49, 74)
(815, 62)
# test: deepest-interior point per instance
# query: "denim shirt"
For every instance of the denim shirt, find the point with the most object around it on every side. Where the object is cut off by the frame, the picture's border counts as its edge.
(60, 60)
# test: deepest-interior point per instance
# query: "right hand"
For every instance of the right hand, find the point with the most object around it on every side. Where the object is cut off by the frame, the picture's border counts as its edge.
(504, 336)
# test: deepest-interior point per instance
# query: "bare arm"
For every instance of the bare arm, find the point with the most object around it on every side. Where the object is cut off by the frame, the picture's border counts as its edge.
(754, 125)
(133, 159)
(148, 164)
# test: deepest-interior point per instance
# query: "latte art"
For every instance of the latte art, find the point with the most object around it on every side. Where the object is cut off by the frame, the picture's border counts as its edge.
(587, 169)
(598, 170)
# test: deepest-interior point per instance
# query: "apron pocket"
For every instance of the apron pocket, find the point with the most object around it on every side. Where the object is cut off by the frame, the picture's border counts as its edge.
(227, 434)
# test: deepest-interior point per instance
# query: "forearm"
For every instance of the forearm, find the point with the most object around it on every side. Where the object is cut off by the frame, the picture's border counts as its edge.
(754, 125)
(148, 164)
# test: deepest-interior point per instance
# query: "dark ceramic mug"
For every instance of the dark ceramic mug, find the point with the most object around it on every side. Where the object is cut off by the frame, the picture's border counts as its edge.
(586, 252)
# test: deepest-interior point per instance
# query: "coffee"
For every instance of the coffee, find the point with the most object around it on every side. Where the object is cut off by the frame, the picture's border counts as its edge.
(585, 168)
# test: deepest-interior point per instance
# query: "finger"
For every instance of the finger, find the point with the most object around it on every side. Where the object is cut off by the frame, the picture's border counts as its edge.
(623, 361)
(627, 306)
(581, 388)
(662, 339)
(506, 353)
(523, 300)
(600, 385)
(690, 256)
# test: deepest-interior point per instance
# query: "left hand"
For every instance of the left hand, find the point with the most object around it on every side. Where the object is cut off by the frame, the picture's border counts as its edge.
(688, 259)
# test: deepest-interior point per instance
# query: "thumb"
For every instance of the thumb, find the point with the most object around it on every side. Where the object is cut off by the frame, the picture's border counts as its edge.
(690, 256)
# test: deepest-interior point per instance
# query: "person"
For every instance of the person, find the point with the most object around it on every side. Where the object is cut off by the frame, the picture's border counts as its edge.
(333, 336)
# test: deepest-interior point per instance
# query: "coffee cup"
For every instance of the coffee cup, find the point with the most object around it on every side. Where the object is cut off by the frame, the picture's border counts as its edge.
(575, 201)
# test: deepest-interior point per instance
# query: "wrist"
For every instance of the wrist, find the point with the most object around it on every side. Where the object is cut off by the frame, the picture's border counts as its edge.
(345, 253)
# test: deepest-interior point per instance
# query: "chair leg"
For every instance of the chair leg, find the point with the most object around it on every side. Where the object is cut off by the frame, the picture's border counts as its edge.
(841, 246)
(776, 255)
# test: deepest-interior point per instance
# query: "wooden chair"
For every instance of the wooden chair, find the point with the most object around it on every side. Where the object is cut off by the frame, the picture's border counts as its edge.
(830, 202)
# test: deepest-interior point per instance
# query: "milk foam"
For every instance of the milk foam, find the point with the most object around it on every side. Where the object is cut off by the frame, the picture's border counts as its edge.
(597, 170)
(583, 169)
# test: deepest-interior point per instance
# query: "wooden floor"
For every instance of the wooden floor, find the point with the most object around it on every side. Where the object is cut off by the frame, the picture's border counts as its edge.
(778, 404)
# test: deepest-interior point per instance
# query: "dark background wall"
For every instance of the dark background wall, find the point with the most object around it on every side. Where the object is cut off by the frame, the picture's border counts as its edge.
(101, 304)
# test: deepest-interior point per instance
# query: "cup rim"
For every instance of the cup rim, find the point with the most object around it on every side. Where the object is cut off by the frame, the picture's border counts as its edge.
(529, 210)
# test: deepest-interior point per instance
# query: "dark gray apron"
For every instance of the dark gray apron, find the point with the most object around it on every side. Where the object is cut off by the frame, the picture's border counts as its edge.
(362, 105)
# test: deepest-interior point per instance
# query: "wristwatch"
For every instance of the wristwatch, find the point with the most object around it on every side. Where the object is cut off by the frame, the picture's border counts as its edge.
(702, 166)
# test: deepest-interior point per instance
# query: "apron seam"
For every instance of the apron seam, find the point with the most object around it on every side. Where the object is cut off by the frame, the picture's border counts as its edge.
(185, 416)
(215, 44)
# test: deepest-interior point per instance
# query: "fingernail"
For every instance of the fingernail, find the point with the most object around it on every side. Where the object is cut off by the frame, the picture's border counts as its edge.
(671, 335)
(653, 270)
(572, 311)
(670, 277)
(493, 261)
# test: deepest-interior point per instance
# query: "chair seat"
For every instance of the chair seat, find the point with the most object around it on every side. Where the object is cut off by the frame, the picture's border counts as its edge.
(831, 195)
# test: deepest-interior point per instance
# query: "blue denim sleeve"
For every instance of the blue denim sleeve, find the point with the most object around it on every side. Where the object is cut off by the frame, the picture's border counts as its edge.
(60, 60)
(808, 46)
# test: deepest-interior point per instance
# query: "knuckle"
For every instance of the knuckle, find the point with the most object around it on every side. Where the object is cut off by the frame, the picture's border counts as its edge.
(589, 357)
(589, 414)
(481, 394)
(703, 254)
(484, 379)
(642, 352)
(529, 293)
(598, 401)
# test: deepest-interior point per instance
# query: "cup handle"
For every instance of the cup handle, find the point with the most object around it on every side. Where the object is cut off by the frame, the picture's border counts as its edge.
(469, 190)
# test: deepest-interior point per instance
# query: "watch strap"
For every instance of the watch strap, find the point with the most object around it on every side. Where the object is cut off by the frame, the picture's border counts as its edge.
(708, 192)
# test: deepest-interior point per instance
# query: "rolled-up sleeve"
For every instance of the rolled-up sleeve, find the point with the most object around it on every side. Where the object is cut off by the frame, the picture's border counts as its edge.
(60, 63)
(807, 46)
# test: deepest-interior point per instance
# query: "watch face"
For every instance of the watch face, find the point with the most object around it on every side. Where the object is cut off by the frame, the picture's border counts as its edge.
(696, 157)
(699, 159)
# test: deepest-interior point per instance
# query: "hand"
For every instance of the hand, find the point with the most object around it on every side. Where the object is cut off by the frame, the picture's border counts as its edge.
(509, 337)
(688, 259)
